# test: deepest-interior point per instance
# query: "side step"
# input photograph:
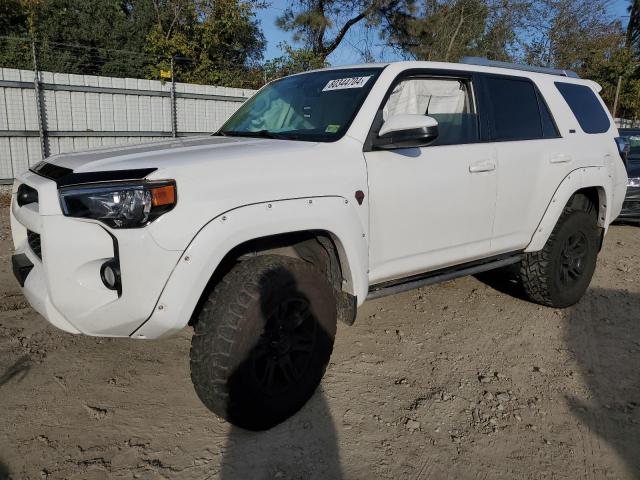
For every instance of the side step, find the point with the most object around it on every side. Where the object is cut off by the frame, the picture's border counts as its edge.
(438, 276)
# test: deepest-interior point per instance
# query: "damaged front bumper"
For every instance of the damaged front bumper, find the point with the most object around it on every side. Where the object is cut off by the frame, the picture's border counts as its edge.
(58, 263)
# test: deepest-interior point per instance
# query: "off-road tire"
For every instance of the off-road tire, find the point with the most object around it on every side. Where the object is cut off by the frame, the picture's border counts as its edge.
(554, 276)
(265, 308)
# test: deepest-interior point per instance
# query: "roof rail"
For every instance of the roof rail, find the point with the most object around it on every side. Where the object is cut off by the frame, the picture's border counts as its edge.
(485, 62)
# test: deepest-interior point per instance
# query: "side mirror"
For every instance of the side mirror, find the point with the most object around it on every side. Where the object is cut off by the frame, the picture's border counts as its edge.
(406, 131)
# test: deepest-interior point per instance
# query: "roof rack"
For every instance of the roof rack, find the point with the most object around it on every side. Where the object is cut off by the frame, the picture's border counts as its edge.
(485, 62)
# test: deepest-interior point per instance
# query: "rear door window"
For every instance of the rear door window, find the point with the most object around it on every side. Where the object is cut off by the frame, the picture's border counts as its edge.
(515, 111)
(585, 106)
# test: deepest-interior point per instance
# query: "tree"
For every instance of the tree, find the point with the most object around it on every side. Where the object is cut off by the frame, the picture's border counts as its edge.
(632, 37)
(567, 33)
(293, 60)
(83, 36)
(580, 35)
(216, 41)
(14, 25)
(446, 30)
(73, 36)
(321, 25)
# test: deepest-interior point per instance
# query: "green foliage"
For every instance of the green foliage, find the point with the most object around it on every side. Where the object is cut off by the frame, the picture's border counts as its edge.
(220, 41)
(293, 61)
(606, 70)
(217, 41)
(581, 36)
(321, 25)
(632, 40)
(445, 30)
(75, 36)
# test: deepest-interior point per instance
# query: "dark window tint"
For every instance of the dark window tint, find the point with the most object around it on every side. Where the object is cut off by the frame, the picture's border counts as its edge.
(549, 129)
(585, 106)
(514, 103)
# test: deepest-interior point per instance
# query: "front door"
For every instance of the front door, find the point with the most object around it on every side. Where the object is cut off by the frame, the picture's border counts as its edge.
(433, 206)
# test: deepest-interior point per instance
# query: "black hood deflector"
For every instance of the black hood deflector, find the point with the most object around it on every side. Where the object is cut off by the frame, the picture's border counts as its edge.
(65, 177)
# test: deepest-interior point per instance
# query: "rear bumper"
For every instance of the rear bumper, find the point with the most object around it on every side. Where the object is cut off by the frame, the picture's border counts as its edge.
(58, 259)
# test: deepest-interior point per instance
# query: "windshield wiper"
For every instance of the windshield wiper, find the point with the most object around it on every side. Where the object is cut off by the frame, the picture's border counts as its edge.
(260, 134)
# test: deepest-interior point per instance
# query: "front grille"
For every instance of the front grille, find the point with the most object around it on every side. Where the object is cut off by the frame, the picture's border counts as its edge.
(33, 239)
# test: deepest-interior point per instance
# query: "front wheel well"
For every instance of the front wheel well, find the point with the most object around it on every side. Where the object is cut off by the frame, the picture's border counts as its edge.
(318, 247)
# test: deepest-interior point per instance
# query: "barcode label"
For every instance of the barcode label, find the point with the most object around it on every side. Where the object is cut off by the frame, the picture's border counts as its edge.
(342, 83)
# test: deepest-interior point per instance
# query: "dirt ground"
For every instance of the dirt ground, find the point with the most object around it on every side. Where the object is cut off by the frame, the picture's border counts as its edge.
(463, 380)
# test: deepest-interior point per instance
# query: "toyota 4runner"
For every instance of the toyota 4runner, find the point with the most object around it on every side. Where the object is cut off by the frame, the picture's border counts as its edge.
(323, 190)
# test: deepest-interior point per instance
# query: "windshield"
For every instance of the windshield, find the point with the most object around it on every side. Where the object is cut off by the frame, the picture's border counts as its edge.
(317, 106)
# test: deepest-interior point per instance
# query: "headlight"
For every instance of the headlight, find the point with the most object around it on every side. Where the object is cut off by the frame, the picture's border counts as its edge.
(633, 182)
(120, 205)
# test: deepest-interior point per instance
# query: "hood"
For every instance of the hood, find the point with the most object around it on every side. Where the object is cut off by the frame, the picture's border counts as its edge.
(164, 153)
(219, 174)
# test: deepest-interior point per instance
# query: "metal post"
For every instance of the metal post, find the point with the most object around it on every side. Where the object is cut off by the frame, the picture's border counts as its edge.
(44, 141)
(174, 122)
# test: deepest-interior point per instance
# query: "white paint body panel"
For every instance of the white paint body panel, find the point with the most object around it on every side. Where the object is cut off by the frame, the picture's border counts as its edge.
(423, 209)
(427, 209)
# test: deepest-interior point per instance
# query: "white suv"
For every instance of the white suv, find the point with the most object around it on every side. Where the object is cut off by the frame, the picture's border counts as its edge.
(324, 190)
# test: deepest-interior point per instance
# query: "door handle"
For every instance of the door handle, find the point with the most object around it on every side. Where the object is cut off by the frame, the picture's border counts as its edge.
(561, 158)
(486, 166)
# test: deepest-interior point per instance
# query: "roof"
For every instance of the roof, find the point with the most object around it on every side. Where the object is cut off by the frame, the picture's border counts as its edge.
(482, 65)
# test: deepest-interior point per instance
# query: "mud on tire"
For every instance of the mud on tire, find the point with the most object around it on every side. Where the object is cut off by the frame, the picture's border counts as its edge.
(263, 340)
(560, 273)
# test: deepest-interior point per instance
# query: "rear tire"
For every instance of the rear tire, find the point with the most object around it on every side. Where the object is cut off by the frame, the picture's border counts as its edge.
(559, 274)
(263, 341)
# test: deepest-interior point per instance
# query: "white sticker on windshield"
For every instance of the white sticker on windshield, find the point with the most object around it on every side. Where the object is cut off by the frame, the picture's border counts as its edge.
(342, 83)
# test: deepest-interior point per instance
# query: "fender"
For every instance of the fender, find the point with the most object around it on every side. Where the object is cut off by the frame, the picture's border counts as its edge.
(576, 180)
(234, 227)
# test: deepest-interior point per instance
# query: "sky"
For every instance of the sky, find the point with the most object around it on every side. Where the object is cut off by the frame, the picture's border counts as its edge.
(349, 49)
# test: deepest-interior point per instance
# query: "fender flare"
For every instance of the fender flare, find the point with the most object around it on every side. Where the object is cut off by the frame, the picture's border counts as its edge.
(578, 179)
(219, 236)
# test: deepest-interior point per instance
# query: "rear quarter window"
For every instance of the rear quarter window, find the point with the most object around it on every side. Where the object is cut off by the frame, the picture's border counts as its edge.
(585, 106)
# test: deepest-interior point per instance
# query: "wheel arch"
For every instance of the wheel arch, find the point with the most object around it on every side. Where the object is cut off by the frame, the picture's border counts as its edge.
(322, 248)
(592, 182)
(272, 227)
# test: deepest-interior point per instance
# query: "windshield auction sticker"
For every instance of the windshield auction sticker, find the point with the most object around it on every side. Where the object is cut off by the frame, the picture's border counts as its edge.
(342, 83)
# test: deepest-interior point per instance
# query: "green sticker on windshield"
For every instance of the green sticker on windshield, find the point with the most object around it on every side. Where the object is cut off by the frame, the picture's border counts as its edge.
(332, 128)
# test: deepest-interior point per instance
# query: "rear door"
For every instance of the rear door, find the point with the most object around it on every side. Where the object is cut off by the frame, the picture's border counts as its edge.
(532, 158)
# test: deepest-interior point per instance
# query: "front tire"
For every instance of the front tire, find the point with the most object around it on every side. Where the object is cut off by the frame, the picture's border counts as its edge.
(559, 274)
(263, 340)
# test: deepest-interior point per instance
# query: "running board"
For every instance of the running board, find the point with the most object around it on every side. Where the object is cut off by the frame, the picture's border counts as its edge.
(438, 276)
